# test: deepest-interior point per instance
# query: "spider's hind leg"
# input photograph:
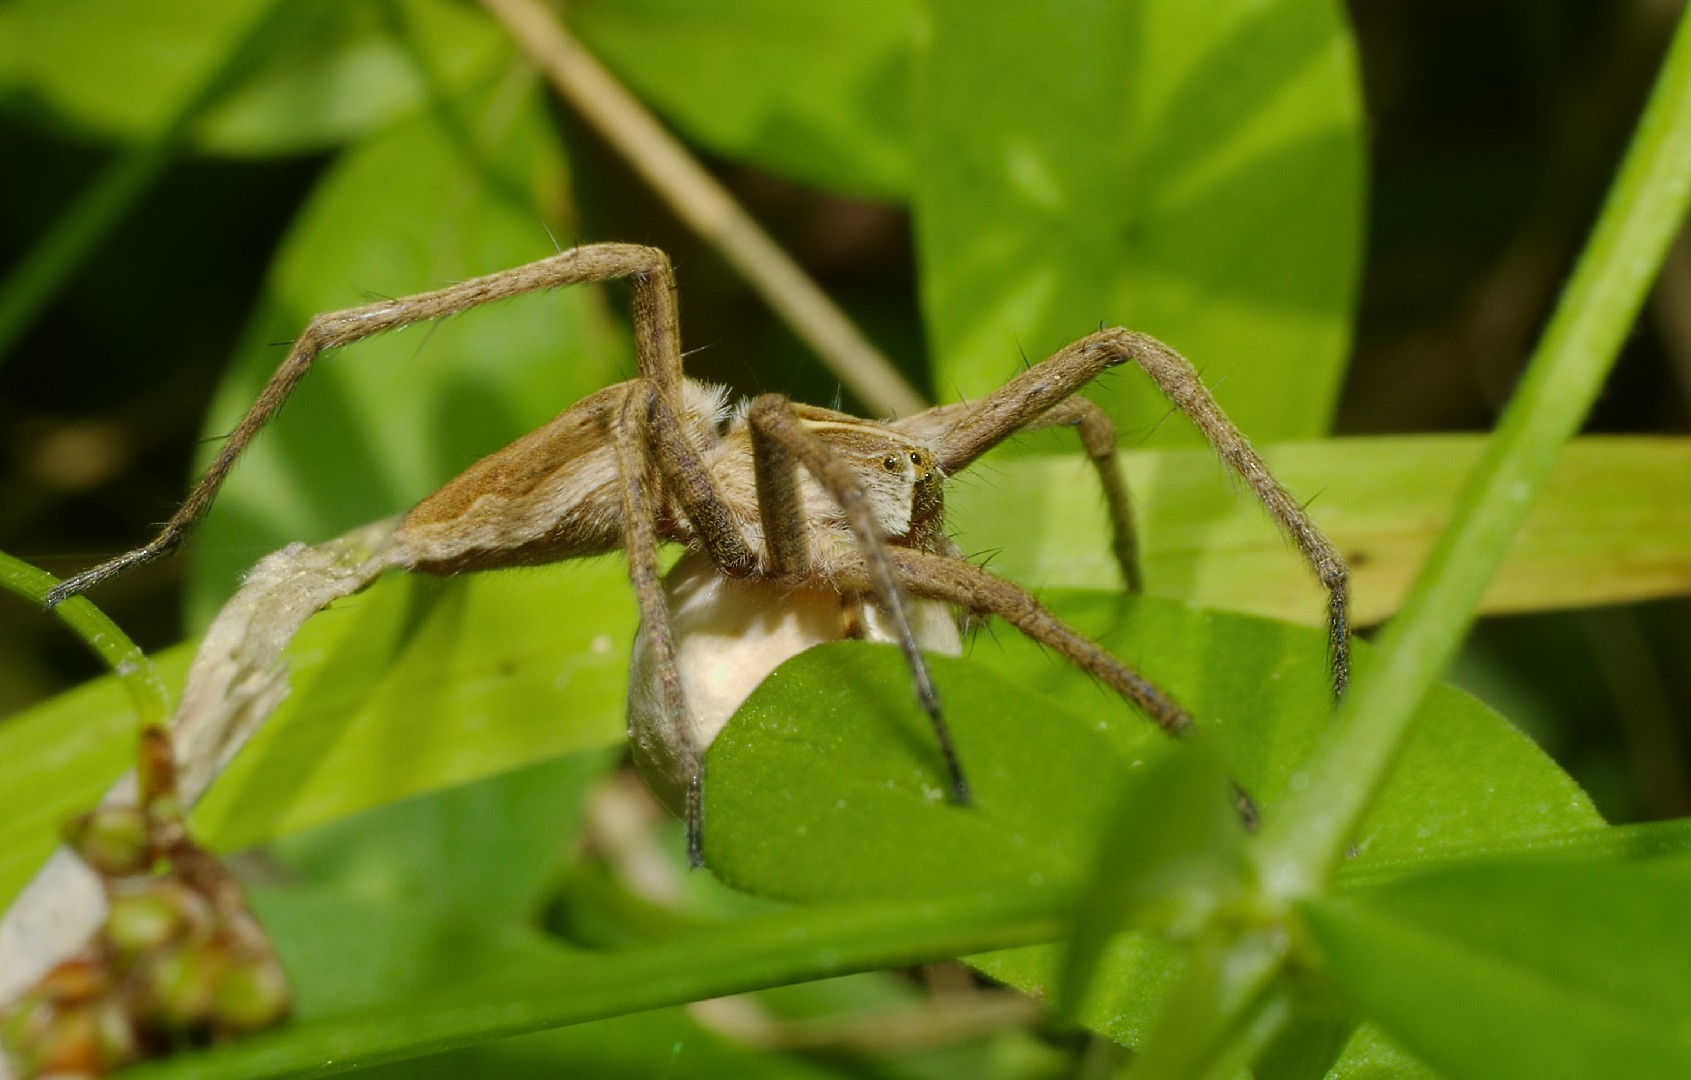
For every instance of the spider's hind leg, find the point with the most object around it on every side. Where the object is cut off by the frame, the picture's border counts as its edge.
(1043, 395)
(1098, 438)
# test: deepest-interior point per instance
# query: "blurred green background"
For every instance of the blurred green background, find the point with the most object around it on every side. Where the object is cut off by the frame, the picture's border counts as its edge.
(1493, 129)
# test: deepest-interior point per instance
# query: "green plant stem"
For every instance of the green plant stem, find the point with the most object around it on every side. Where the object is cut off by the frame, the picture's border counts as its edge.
(97, 209)
(796, 946)
(1304, 840)
(1224, 1009)
(99, 633)
(1302, 843)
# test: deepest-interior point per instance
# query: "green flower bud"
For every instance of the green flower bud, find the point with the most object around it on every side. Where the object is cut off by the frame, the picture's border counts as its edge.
(23, 1023)
(67, 1044)
(114, 840)
(149, 914)
(252, 995)
(178, 985)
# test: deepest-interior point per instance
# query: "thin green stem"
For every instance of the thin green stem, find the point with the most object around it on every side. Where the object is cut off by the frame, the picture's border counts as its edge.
(1224, 1009)
(1303, 842)
(99, 633)
(796, 946)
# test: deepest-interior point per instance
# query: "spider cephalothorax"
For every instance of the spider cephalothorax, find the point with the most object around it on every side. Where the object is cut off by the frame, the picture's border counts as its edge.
(789, 512)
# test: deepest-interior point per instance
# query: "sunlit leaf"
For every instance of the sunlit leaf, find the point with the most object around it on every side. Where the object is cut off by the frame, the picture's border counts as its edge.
(1191, 171)
(1614, 524)
(487, 849)
(1515, 969)
(826, 783)
(411, 686)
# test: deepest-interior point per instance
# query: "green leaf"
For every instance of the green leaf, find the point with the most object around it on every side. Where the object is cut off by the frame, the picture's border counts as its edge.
(410, 686)
(343, 70)
(1372, 1055)
(1614, 525)
(816, 92)
(826, 784)
(486, 849)
(59, 758)
(1193, 172)
(438, 199)
(331, 71)
(1516, 969)
(418, 684)
(666, 1043)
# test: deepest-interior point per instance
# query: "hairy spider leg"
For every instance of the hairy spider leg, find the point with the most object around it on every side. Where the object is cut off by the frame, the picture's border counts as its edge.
(655, 322)
(967, 431)
(781, 440)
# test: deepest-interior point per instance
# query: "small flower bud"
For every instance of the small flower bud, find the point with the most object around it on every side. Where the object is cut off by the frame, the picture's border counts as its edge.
(81, 978)
(113, 840)
(252, 995)
(23, 1023)
(66, 1044)
(148, 917)
(178, 985)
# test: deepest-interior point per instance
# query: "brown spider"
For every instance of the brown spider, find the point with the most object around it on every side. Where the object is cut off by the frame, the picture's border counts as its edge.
(833, 523)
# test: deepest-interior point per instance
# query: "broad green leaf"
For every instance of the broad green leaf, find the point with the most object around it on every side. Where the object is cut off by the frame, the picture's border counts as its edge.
(119, 66)
(1372, 1055)
(826, 784)
(410, 686)
(421, 855)
(1517, 969)
(816, 92)
(417, 684)
(1191, 171)
(487, 849)
(328, 71)
(438, 199)
(667, 1043)
(1310, 1046)
(1614, 524)
(344, 70)
(818, 785)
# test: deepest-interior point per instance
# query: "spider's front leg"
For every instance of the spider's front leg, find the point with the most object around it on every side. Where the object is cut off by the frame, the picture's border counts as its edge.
(1043, 396)
(656, 338)
(675, 736)
(877, 481)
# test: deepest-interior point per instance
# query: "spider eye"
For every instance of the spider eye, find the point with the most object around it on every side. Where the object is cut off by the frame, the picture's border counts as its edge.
(890, 463)
(915, 459)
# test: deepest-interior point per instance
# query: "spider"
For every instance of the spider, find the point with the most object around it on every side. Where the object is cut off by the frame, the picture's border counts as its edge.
(830, 525)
